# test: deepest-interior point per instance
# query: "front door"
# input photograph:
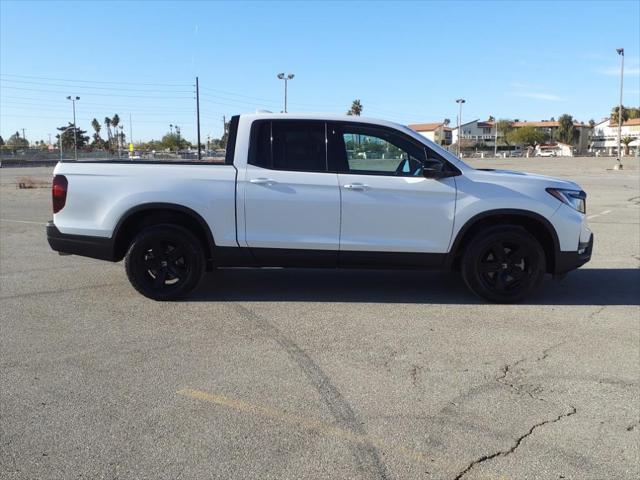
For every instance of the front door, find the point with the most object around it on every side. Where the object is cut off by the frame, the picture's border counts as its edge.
(387, 204)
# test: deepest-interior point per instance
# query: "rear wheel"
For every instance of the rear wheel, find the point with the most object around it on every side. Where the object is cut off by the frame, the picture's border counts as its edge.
(503, 264)
(165, 262)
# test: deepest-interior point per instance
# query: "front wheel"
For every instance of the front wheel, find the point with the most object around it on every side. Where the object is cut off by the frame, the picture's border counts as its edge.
(165, 262)
(503, 264)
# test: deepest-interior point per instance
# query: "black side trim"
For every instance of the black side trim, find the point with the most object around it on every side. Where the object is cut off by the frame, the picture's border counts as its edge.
(348, 259)
(289, 257)
(93, 247)
(567, 261)
(231, 140)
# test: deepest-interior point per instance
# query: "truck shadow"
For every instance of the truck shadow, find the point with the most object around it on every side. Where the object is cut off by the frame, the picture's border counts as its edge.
(617, 286)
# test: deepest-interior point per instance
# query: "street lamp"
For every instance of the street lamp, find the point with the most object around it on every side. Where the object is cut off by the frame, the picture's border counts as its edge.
(286, 78)
(75, 139)
(618, 165)
(459, 101)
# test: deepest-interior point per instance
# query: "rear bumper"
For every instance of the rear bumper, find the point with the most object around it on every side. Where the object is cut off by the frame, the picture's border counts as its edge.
(567, 261)
(93, 247)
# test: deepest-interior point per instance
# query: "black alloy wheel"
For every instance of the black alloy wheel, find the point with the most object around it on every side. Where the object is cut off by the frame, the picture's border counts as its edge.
(165, 262)
(504, 264)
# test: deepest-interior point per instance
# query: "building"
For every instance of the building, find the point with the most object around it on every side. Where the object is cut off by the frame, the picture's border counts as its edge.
(604, 137)
(478, 132)
(484, 133)
(439, 133)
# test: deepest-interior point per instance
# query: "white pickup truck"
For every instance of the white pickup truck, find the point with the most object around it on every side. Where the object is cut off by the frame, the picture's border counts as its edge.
(320, 191)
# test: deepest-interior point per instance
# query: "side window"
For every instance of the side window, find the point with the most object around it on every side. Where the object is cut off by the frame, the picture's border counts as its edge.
(380, 152)
(289, 145)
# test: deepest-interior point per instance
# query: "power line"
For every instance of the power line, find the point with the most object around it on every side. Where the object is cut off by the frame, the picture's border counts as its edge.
(62, 92)
(97, 81)
(20, 82)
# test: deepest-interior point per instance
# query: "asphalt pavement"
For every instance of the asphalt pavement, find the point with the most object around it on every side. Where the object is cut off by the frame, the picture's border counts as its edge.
(301, 374)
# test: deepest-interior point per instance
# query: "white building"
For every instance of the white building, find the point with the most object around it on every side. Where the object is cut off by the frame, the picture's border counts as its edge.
(604, 138)
(437, 132)
(477, 131)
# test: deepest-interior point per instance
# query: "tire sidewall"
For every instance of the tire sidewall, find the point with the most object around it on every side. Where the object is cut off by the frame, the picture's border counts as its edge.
(478, 246)
(137, 270)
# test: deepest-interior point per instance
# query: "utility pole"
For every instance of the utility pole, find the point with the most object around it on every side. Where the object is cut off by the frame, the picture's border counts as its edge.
(459, 101)
(198, 115)
(24, 137)
(618, 165)
(286, 78)
(75, 138)
(49, 139)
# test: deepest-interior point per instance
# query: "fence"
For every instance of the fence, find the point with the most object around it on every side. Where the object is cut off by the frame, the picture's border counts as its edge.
(36, 157)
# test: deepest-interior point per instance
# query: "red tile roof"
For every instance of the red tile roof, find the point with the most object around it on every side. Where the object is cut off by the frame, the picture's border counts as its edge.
(425, 127)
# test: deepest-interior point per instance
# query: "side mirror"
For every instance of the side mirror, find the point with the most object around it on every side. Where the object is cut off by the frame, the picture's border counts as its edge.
(437, 171)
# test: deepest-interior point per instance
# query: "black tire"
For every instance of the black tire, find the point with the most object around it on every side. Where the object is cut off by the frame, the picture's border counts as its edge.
(165, 262)
(503, 264)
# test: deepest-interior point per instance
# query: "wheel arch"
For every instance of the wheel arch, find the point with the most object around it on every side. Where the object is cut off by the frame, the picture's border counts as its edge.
(145, 215)
(533, 222)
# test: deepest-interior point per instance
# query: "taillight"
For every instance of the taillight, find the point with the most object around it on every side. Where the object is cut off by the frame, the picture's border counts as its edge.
(59, 192)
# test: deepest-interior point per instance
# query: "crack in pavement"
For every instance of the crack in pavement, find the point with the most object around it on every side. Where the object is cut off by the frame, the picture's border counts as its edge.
(508, 369)
(366, 455)
(518, 442)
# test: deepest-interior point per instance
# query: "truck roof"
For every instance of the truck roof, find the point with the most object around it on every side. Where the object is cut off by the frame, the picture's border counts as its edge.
(322, 116)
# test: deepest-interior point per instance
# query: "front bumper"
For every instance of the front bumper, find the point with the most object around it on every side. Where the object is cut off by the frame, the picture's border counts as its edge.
(567, 261)
(93, 247)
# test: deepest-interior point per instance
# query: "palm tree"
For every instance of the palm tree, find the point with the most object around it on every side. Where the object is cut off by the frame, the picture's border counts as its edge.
(356, 108)
(107, 122)
(626, 141)
(115, 121)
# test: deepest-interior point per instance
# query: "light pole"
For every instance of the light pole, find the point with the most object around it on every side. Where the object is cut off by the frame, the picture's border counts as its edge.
(495, 143)
(178, 134)
(286, 78)
(618, 165)
(75, 139)
(459, 101)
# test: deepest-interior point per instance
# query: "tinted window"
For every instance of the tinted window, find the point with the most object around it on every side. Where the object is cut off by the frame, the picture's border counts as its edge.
(381, 152)
(289, 145)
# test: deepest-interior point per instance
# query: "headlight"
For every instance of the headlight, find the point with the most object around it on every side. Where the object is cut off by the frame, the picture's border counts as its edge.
(576, 199)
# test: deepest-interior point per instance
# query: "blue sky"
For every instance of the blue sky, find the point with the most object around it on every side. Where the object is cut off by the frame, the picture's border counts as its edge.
(406, 61)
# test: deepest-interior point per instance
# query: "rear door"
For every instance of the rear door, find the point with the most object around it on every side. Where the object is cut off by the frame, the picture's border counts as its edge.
(387, 204)
(292, 203)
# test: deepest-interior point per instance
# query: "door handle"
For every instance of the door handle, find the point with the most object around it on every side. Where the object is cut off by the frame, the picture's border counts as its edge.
(359, 187)
(263, 181)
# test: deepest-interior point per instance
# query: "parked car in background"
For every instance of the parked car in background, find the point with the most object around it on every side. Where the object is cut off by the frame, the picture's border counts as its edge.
(546, 153)
(320, 191)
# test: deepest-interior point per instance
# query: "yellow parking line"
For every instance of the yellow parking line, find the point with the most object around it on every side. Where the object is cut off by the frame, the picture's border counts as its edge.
(305, 423)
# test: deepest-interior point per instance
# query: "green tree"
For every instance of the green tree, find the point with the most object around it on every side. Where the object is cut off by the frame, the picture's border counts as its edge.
(356, 108)
(115, 121)
(505, 126)
(1, 141)
(222, 142)
(528, 136)
(98, 142)
(566, 130)
(626, 141)
(627, 114)
(107, 123)
(16, 141)
(67, 136)
(592, 123)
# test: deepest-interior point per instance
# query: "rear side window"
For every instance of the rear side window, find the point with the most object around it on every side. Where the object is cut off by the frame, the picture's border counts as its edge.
(289, 145)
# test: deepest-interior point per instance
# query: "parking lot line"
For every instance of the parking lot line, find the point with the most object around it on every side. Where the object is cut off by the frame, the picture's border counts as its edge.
(300, 422)
(21, 221)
